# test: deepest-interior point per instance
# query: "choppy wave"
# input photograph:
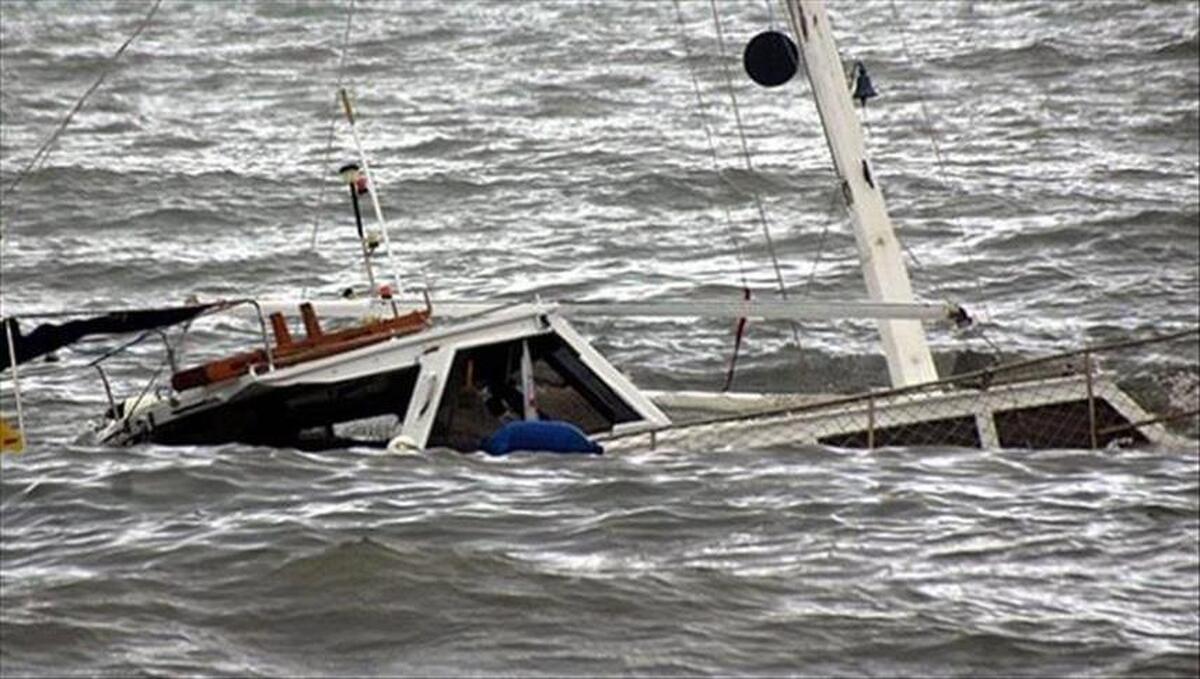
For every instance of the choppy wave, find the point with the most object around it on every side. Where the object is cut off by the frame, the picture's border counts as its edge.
(932, 561)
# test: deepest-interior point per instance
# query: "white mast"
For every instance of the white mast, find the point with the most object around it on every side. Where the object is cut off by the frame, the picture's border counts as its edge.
(908, 357)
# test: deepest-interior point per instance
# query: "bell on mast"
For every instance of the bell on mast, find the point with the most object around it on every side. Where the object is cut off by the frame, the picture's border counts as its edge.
(864, 89)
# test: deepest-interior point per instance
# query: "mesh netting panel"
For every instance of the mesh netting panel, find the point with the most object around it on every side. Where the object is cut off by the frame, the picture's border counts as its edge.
(1122, 394)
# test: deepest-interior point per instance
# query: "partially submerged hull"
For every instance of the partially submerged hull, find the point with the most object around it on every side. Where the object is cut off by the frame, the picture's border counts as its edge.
(452, 386)
(1061, 401)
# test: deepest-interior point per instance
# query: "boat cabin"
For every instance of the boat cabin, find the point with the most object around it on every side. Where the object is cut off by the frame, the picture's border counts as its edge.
(449, 384)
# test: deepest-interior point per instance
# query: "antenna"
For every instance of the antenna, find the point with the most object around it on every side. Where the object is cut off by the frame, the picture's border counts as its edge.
(371, 190)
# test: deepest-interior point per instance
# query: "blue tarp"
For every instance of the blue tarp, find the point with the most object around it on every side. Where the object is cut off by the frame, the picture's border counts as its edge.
(543, 436)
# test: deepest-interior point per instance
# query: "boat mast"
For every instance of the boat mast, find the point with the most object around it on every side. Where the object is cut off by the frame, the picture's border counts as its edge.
(908, 357)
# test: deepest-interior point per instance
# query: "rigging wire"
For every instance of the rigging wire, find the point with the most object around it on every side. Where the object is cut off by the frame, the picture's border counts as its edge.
(762, 213)
(114, 351)
(737, 114)
(43, 152)
(835, 201)
(740, 328)
(930, 132)
(312, 241)
(941, 166)
(706, 124)
(770, 14)
(333, 120)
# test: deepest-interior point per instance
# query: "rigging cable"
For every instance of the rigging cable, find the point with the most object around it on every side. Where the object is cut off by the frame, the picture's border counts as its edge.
(941, 165)
(706, 124)
(42, 155)
(740, 328)
(836, 201)
(932, 134)
(43, 151)
(762, 213)
(737, 114)
(312, 241)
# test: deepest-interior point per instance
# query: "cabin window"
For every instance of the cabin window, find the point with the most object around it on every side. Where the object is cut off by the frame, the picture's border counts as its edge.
(1063, 425)
(483, 392)
(949, 431)
(309, 416)
(367, 410)
(378, 394)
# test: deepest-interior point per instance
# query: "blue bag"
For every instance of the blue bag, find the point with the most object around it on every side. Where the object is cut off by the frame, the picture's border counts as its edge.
(543, 436)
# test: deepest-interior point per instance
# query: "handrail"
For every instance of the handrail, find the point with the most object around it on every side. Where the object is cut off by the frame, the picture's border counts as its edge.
(871, 395)
(170, 352)
(262, 325)
(112, 404)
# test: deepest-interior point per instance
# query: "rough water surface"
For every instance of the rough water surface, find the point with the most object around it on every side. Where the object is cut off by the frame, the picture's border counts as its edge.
(557, 149)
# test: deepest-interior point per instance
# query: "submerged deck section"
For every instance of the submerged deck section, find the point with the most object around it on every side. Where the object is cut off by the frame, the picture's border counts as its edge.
(1060, 401)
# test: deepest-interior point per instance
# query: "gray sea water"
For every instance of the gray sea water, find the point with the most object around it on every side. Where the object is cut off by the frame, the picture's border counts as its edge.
(556, 148)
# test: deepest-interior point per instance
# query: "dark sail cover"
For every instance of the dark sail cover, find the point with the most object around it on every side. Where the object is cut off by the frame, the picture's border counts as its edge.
(48, 337)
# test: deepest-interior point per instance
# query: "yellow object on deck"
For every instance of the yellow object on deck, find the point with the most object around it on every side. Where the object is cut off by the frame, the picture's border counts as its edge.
(12, 440)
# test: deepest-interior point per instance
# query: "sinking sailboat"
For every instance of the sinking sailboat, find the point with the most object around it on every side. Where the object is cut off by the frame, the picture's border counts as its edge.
(420, 374)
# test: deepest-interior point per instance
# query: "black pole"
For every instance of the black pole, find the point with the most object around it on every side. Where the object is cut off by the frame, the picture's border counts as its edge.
(349, 173)
(357, 212)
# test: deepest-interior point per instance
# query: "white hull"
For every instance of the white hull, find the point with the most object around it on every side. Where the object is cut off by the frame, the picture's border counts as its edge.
(431, 385)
